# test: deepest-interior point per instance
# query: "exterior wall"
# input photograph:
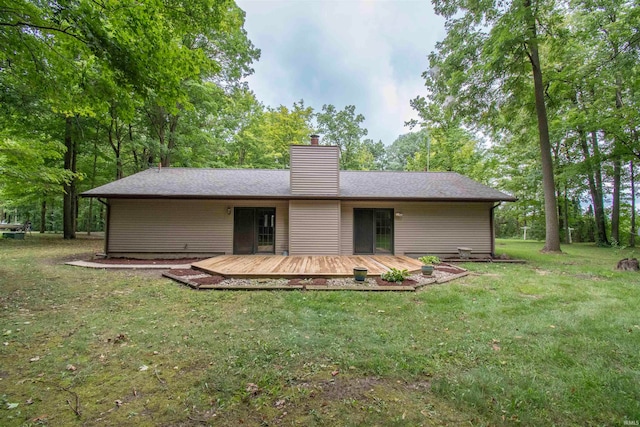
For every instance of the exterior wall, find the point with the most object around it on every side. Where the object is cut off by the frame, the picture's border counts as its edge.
(182, 227)
(429, 228)
(314, 227)
(303, 227)
(315, 170)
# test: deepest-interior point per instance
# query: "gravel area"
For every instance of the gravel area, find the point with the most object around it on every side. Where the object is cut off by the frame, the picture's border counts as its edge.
(415, 280)
(342, 281)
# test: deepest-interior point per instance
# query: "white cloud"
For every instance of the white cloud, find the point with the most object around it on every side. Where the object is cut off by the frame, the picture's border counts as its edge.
(367, 53)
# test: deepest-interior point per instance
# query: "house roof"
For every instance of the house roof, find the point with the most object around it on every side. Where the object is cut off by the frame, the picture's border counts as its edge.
(260, 183)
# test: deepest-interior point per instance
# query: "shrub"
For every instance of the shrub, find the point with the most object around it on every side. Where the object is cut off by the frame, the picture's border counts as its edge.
(429, 259)
(395, 275)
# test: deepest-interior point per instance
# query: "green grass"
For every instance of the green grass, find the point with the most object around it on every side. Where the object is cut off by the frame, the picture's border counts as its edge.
(554, 341)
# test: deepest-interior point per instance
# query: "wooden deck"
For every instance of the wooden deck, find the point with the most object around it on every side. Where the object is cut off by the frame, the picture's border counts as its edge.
(245, 266)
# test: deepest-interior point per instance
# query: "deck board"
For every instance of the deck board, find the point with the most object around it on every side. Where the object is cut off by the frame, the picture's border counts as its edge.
(303, 266)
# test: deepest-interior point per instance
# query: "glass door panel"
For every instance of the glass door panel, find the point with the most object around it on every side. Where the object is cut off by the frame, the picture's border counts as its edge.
(372, 231)
(384, 231)
(243, 231)
(266, 230)
(363, 231)
(254, 230)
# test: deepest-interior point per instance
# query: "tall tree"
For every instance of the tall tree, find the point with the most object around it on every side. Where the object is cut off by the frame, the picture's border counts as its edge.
(342, 128)
(491, 52)
(283, 127)
(405, 148)
(85, 58)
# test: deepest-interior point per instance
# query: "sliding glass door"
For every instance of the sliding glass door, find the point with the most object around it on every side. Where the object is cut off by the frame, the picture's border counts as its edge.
(372, 231)
(254, 230)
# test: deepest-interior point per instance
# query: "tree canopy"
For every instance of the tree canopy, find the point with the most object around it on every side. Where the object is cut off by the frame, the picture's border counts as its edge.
(535, 97)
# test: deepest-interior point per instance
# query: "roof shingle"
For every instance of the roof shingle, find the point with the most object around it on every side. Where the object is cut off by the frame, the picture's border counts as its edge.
(261, 183)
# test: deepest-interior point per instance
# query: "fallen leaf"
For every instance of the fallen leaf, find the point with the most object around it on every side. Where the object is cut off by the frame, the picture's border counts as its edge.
(12, 405)
(72, 368)
(496, 347)
(334, 373)
(280, 403)
(144, 368)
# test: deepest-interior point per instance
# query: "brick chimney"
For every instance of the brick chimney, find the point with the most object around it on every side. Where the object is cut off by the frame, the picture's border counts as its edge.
(315, 139)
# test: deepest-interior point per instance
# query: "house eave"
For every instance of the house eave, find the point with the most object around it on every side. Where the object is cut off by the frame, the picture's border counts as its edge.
(296, 197)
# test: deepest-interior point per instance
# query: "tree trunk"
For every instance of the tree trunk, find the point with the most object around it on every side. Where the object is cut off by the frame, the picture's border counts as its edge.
(94, 171)
(552, 228)
(594, 178)
(69, 208)
(173, 124)
(632, 237)
(115, 140)
(617, 168)
(615, 206)
(43, 215)
(567, 232)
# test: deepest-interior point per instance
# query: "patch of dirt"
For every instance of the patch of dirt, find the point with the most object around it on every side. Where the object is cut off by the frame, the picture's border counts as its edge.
(67, 258)
(135, 261)
(209, 280)
(184, 272)
(351, 388)
(406, 282)
(449, 269)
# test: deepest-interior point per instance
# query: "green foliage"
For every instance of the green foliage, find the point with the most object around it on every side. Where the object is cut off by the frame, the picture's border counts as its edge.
(429, 259)
(404, 148)
(343, 129)
(139, 84)
(395, 275)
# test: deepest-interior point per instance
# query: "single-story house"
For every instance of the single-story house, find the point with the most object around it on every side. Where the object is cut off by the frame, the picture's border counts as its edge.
(313, 208)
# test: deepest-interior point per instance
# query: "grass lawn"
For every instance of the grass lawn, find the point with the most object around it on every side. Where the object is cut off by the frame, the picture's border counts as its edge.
(554, 341)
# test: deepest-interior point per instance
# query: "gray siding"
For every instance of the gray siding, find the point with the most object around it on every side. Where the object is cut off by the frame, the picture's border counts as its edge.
(315, 170)
(314, 227)
(434, 228)
(182, 226)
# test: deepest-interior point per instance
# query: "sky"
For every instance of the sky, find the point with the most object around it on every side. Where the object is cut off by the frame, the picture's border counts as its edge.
(367, 53)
